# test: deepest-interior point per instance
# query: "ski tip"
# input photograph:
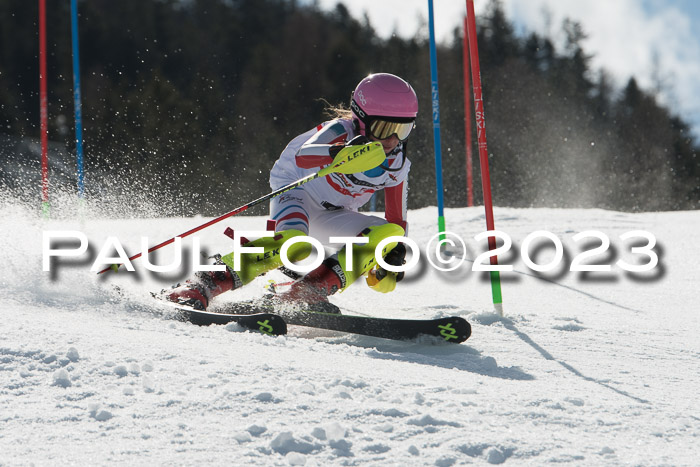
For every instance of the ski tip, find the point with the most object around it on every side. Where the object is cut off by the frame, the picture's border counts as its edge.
(455, 330)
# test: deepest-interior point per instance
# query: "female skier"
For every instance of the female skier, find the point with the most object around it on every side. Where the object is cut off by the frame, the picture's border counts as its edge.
(383, 108)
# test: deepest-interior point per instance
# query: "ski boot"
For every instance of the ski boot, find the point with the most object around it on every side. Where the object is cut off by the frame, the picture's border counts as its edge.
(204, 286)
(198, 291)
(332, 275)
(312, 291)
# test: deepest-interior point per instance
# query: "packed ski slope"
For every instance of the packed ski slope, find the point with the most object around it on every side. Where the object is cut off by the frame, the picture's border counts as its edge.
(584, 368)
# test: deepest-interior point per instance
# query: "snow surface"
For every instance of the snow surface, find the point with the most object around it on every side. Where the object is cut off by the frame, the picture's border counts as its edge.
(585, 369)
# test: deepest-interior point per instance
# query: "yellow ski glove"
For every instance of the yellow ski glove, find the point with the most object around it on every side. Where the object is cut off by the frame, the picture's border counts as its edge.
(382, 281)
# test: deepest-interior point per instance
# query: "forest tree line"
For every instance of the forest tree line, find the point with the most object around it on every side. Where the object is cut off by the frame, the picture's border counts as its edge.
(196, 99)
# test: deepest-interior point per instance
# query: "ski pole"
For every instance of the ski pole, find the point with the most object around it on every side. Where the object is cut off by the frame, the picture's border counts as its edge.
(351, 159)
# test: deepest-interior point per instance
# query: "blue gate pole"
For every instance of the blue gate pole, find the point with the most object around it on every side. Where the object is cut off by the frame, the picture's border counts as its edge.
(76, 98)
(373, 202)
(436, 121)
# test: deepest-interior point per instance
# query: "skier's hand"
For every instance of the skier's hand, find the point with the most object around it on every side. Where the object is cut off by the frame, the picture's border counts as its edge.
(381, 280)
(358, 140)
(396, 257)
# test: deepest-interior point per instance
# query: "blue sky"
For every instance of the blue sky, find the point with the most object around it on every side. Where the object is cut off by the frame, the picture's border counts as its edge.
(656, 41)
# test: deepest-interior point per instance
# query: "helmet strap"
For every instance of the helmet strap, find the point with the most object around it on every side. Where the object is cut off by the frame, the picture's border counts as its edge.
(356, 126)
(403, 159)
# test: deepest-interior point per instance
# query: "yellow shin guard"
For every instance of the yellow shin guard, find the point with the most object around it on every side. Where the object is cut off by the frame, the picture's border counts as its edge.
(253, 265)
(363, 259)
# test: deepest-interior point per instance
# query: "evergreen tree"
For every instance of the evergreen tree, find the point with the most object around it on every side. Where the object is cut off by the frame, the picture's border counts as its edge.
(192, 101)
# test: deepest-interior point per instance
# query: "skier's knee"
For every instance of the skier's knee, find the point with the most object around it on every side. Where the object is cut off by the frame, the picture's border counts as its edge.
(377, 233)
(363, 255)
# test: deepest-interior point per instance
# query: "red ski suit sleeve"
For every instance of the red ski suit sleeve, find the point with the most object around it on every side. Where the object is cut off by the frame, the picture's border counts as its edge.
(395, 198)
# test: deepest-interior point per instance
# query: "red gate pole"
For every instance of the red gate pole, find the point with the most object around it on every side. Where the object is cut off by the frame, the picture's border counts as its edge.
(483, 153)
(43, 111)
(467, 117)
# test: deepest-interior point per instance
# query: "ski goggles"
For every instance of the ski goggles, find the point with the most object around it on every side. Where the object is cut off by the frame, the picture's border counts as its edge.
(383, 129)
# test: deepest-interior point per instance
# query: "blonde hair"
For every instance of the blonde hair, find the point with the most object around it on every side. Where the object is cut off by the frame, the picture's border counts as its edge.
(336, 111)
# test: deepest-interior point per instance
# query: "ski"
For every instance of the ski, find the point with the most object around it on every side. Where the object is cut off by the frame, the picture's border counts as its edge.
(264, 322)
(451, 329)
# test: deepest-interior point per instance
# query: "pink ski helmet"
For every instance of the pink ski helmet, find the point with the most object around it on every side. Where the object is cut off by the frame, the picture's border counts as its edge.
(382, 105)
